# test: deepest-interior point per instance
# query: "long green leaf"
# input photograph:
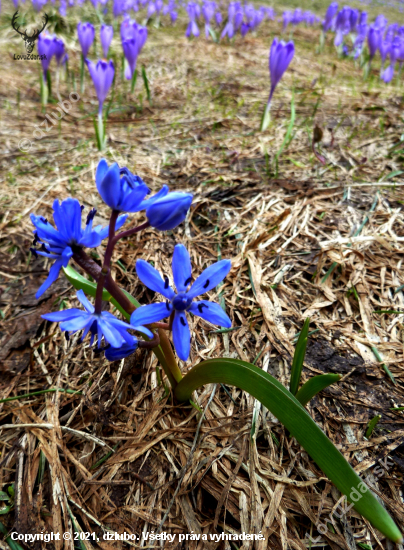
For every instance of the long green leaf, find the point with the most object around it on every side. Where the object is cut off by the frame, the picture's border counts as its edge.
(313, 386)
(299, 423)
(298, 358)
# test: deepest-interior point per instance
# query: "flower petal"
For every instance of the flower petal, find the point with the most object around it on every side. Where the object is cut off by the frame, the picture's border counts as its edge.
(181, 335)
(84, 301)
(182, 269)
(109, 185)
(210, 278)
(115, 354)
(111, 334)
(152, 279)
(64, 315)
(151, 313)
(212, 312)
(53, 275)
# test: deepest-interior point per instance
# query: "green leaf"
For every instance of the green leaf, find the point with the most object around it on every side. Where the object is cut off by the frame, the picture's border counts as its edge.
(315, 385)
(372, 425)
(299, 423)
(11, 491)
(4, 496)
(146, 85)
(298, 358)
(266, 117)
(6, 509)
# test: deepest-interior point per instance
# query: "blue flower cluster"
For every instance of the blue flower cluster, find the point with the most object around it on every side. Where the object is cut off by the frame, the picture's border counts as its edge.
(123, 191)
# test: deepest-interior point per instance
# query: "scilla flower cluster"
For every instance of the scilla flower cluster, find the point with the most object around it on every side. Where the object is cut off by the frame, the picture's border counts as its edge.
(66, 241)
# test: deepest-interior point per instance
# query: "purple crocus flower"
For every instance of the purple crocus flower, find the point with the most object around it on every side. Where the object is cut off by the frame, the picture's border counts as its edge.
(280, 56)
(131, 51)
(59, 51)
(208, 10)
(46, 49)
(380, 22)
(133, 39)
(192, 27)
(342, 25)
(388, 73)
(106, 34)
(384, 49)
(218, 18)
(86, 33)
(374, 39)
(103, 75)
(329, 20)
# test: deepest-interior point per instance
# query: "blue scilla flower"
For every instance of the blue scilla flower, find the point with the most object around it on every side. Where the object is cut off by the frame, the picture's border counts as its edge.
(181, 302)
(103, 324)
(121, 190)
(167, 212)
(60, 243)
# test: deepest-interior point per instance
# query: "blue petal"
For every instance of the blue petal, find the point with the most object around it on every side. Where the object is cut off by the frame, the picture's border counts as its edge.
(143, 330)
(111, 335)
(78, 323)
(53, 275)
(46, 232)
(132, 202)
(103, 231)
(210, 278)
(148, 202)
(109, 187)
(115, 354)
(182, 269)
(181, 335)
(84, 301)
(151, 278)
(212, 312)
(102, 169)
(151, 313)
(64, 315)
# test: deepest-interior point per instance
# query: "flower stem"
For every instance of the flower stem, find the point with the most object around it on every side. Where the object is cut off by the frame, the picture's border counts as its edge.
(130, 232)
(164, 352)
(169, 357)
(107, 261)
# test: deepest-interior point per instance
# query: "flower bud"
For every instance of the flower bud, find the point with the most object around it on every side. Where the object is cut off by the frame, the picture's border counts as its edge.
(168, 212)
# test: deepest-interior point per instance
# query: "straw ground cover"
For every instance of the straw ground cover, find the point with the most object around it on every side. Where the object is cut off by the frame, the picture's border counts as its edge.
(305, 240)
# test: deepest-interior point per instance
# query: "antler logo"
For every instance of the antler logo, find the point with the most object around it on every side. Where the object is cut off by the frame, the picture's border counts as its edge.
(28, 40)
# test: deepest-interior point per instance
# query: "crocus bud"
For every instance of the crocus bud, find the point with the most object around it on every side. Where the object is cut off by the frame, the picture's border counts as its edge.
(59, 51)
(374, 38)
(46, 49)
(280, 56)
(168, 212)
(106, 34)
(103, 75)
(86, 33)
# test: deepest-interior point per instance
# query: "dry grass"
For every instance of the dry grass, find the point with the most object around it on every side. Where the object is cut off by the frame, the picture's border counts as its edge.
(283, 232)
